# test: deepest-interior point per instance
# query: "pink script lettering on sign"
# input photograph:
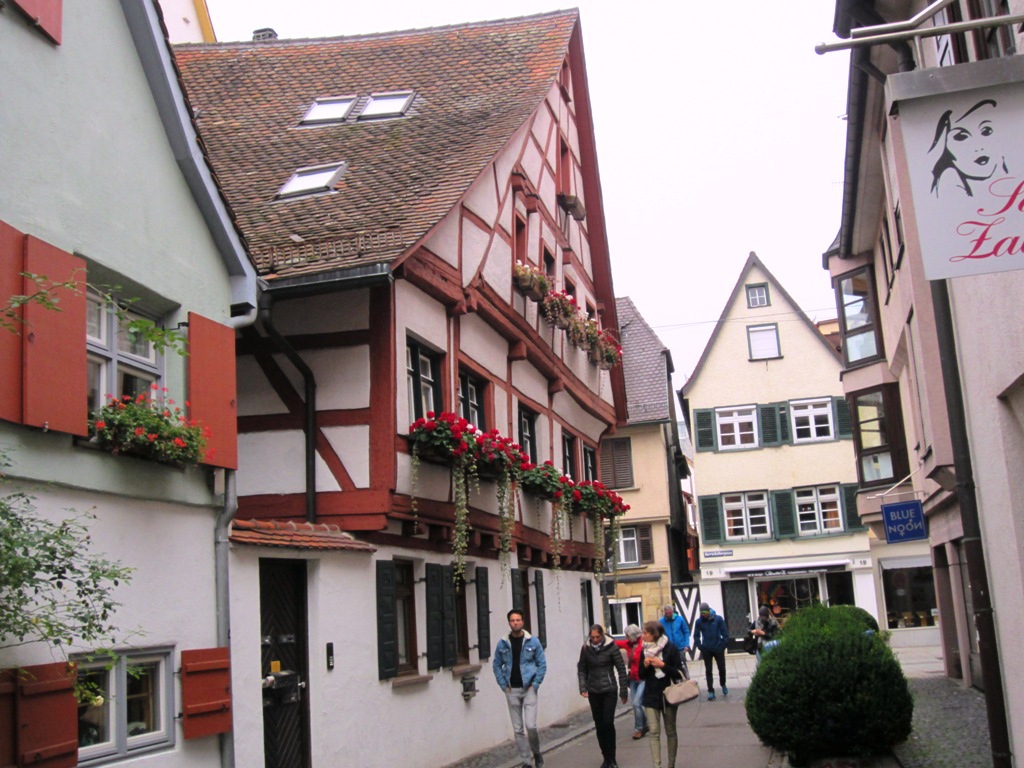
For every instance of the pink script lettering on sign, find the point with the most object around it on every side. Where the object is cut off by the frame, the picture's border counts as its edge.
(988, 239)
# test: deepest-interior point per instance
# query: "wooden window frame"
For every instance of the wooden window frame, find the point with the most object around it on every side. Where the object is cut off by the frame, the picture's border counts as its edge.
(872, 326)
(416, 353)
(569, 463)
(405, 595)
(891, 421)
(473, 410)
(528, 432)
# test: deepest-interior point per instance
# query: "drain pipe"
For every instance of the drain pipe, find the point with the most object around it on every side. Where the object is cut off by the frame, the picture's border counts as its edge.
(309, 383)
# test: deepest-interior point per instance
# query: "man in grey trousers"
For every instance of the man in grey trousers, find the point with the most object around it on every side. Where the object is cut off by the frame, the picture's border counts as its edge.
(519, 668)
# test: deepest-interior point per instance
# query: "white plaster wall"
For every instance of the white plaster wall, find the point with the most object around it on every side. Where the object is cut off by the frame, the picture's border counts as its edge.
(484, 345)
(497, 269)
(415, 311)
(527, 380)
(541, 128)
(444, 240)
(432, 481)
(352, 444)
(482, 197)
(330, 313)
(255, 395)
(533, 164)
(342, 376)
(508, 157)
(268, 467)
(349, 700)
(475, 242)
(567, 408)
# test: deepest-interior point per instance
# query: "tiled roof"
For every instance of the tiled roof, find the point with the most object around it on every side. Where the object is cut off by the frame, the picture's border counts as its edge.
(474, 85)
(645, 365)
(275, 533)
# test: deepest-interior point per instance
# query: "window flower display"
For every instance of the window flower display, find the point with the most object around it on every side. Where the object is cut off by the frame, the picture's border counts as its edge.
(531, 281)
(152, 427)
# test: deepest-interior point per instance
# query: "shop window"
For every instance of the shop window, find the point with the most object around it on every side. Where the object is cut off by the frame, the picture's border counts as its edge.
(909, 595)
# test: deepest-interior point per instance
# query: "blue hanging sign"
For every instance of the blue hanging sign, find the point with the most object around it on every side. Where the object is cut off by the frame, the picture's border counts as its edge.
(904, 521)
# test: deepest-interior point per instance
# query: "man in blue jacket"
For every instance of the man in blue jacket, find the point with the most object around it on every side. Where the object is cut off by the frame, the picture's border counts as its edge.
(677, 630)
(712, 638)
(519, 668)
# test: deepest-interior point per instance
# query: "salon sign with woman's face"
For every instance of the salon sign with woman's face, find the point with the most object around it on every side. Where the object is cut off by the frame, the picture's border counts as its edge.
(966, 162)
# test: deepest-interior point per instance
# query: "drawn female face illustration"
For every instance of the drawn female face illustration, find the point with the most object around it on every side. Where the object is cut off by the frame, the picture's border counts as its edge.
(972, 143)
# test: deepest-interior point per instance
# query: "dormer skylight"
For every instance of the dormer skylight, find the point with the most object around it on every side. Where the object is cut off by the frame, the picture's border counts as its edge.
(391, 104)
(311, 181)
(332, 110)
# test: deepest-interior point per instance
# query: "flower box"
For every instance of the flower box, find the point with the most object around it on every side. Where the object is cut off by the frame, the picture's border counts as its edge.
(533, 283)
(152, 428)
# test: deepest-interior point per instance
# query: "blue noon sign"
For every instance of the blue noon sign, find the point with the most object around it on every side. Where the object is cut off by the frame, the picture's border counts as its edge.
(904, 521)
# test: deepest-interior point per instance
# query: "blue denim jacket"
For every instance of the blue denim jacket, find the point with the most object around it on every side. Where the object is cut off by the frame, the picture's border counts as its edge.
(532, 664)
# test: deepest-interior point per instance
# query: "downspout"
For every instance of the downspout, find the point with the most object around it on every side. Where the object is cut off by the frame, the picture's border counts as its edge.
(266, 304)
(984, 618)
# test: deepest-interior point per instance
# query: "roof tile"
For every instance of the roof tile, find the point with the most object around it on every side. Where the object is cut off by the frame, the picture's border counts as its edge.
(276, 533)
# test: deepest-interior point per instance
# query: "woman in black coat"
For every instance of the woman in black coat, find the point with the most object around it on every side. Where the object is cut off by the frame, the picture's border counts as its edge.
(664, 658)
(599, 665)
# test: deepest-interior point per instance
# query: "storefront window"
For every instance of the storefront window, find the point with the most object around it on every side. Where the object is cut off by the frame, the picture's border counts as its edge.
(909, 597)
(784, 596)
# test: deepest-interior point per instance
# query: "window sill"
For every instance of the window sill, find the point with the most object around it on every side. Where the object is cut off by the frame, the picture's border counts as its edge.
(763, 359)
(405, 681)
(461, 670)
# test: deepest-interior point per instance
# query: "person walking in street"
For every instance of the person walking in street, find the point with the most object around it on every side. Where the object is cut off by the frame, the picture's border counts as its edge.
(677, 629)
(519, 667)
(712, 639)
(764, 629)
(600, 662)
(634, 648)
(662, 664)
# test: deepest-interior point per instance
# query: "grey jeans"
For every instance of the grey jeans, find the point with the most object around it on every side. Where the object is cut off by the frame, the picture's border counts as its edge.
(522, 708)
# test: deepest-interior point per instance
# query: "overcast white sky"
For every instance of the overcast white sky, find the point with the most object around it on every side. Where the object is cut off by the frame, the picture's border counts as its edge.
(719, 132)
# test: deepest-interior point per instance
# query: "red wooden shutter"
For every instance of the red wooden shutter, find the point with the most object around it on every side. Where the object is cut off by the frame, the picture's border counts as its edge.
(8, 730)
(46, 14)
(211, 388)
(55, 393)
(12, 261)
(205, 691)
(47, 714)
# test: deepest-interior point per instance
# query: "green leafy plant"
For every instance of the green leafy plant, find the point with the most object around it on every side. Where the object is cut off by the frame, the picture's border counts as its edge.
(835, 678)
(152, 427)
(532, 281)
(559, 308)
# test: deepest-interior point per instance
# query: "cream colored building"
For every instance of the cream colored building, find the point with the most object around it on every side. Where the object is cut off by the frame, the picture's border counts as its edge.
(775, 472)
(645, 464)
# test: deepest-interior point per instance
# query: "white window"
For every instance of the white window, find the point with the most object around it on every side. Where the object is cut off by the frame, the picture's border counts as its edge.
(331, 110)
(629, 547)
(387, 105)
(737, 427)
(119, 362)
(812, 420)
(818, 510)
(746, 515)
(126, 705)
(763, 341)
(757, 295)
(624, 612)
(307, 181)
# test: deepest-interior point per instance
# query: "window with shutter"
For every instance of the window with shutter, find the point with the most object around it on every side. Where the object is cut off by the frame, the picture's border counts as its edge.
(646, 543)
(711, 527)
(705, 429)
(435, 616)
(46, 716)
(483, 613)
(617, 462)
(768, 421)
(206, 692)
(12, 264)
(785, 514)
(542, 624)
(844, 422)
(387, 621)
(852, 517)
(211, 388)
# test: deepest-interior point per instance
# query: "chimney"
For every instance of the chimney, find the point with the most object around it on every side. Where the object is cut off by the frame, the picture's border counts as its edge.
(261, 35)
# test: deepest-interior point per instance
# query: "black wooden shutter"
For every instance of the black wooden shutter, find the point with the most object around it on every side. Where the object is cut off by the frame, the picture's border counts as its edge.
(517, 589)
(853, 521)
(483, 614)
(841, 411)
(449, 619)
(784, 507)
(644, 544)
(435, 615)
(707, 437)
(711, 527)
(542, 624)
(387, 621)
(768, 420)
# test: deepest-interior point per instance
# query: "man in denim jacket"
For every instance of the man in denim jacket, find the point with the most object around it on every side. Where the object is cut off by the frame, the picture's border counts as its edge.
(519, 668)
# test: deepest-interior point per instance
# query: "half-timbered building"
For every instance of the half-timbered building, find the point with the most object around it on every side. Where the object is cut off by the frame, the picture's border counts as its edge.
(390, 187)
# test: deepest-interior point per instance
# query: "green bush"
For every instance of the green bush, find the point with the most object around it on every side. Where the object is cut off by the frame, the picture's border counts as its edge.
(821, 618)
(829, 689)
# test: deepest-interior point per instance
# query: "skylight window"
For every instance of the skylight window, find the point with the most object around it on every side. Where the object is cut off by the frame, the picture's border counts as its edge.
(309, 181)
(329, 110)
(387, 104)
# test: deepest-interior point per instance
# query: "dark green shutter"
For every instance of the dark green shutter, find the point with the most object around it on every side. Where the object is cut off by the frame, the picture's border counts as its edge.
(841, 411)
(644, 543)
(783, 422)
(542, 624)
(483, 614)
(707, 439)
(768, 421)
(435, 615)
(784, 507)
(450, 647)
(387, 621)
(517, 589)
(711, 524)
(853, 521)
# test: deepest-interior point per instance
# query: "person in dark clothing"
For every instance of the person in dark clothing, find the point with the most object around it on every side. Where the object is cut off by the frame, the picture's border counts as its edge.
(600, 662)
(764, 629)
(712, 639)
(662, 664)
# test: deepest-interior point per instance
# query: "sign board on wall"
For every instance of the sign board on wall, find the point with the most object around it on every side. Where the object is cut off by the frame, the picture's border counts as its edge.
(966, 166)
(904, 521)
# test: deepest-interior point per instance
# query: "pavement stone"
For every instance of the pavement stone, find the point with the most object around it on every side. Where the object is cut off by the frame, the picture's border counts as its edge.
(950, 728)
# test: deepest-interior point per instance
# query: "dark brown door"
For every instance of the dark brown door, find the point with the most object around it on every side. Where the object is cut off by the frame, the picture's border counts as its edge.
(283, 641)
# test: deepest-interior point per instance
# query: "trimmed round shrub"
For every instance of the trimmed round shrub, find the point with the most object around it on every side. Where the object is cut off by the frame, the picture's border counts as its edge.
(831, 688)
(822, 618)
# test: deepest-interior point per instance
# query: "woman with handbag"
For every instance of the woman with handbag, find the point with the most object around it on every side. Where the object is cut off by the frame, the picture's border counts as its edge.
(662, 665)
